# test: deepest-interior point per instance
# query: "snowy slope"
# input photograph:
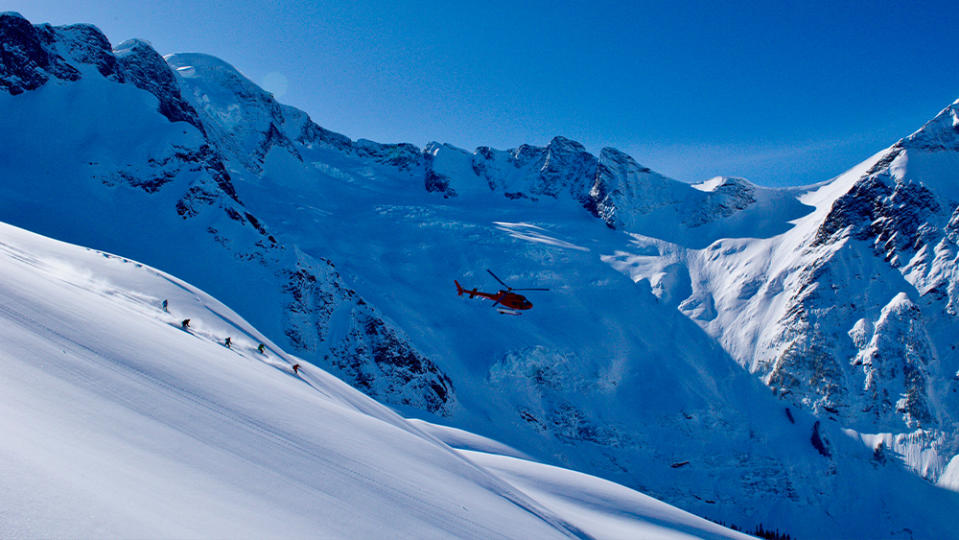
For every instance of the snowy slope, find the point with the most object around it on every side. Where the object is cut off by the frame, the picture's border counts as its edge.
(586, 379)
(851, 312)
(626, 369)
(172, 202)
(117, 422)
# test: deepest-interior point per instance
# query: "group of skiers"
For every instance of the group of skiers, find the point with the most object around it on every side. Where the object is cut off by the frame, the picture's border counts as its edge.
(228, 342)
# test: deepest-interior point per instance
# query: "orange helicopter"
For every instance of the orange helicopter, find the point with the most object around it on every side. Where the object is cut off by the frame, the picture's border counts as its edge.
(506, 298)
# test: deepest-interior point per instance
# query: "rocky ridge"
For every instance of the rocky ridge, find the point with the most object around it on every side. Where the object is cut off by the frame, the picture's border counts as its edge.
(191, 173)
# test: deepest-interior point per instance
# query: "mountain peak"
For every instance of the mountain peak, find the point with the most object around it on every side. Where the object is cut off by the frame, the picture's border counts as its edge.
(199, 61)
(133, 45)
(28, 60)
(564, 144)
(940, 133)
(716, 182)
(12, 15)
(613, 155)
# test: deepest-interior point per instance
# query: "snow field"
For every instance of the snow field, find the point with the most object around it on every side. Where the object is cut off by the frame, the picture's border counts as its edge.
(117, 422)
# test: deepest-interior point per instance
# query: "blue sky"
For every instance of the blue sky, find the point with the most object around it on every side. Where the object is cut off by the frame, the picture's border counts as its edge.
(780, 93)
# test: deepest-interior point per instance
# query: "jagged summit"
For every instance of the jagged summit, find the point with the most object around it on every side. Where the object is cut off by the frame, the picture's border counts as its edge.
(27, 61)
(940, 133)
(131, 45)
(717, 182)
(561, 144)
(611, 186)
(205, 64)
(608, 153)
(250, 123)
(247, 121)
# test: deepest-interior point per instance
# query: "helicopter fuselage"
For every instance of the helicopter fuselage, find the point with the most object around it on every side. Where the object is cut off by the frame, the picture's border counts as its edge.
(508, 299)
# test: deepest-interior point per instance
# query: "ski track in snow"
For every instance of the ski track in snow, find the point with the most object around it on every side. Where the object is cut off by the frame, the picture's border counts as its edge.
(100, 383)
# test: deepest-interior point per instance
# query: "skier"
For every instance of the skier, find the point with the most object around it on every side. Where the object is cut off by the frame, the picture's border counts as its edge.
(185, 324)
(296, 369)
(261, 348)
(228, 342)
(164, 305)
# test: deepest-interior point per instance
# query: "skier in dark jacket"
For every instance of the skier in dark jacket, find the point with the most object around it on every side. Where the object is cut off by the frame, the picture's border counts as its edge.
(261, 348)
(228, 342)
(296, 368)
(185, 324)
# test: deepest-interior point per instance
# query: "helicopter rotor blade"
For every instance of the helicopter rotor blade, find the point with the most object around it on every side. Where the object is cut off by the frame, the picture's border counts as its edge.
(498, 279)
(531, 289)
(498, 299)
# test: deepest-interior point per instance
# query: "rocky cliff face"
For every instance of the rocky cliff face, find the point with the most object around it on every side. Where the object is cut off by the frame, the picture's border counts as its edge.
(903, 208)
(26, 59)
(852, 313)
(147, 70)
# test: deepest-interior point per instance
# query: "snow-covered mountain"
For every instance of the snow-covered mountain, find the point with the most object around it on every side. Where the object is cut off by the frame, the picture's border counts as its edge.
(852, 312)
(840, 297)
(117, 422)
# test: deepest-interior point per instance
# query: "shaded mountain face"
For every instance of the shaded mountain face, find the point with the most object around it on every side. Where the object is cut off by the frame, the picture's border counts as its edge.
(344, 251)
(129, 165)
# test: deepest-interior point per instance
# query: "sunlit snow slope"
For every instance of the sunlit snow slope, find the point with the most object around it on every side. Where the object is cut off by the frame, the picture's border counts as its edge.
(118, 422)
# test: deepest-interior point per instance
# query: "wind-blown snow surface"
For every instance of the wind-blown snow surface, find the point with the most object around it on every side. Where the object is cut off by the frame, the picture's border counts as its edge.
(119, 423)
(626, 369)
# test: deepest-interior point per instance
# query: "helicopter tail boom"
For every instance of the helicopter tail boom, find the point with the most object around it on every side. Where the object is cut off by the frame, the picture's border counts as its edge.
(460, 290)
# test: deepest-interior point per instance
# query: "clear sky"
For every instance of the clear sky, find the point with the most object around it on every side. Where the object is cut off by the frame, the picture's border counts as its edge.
(778, 92)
